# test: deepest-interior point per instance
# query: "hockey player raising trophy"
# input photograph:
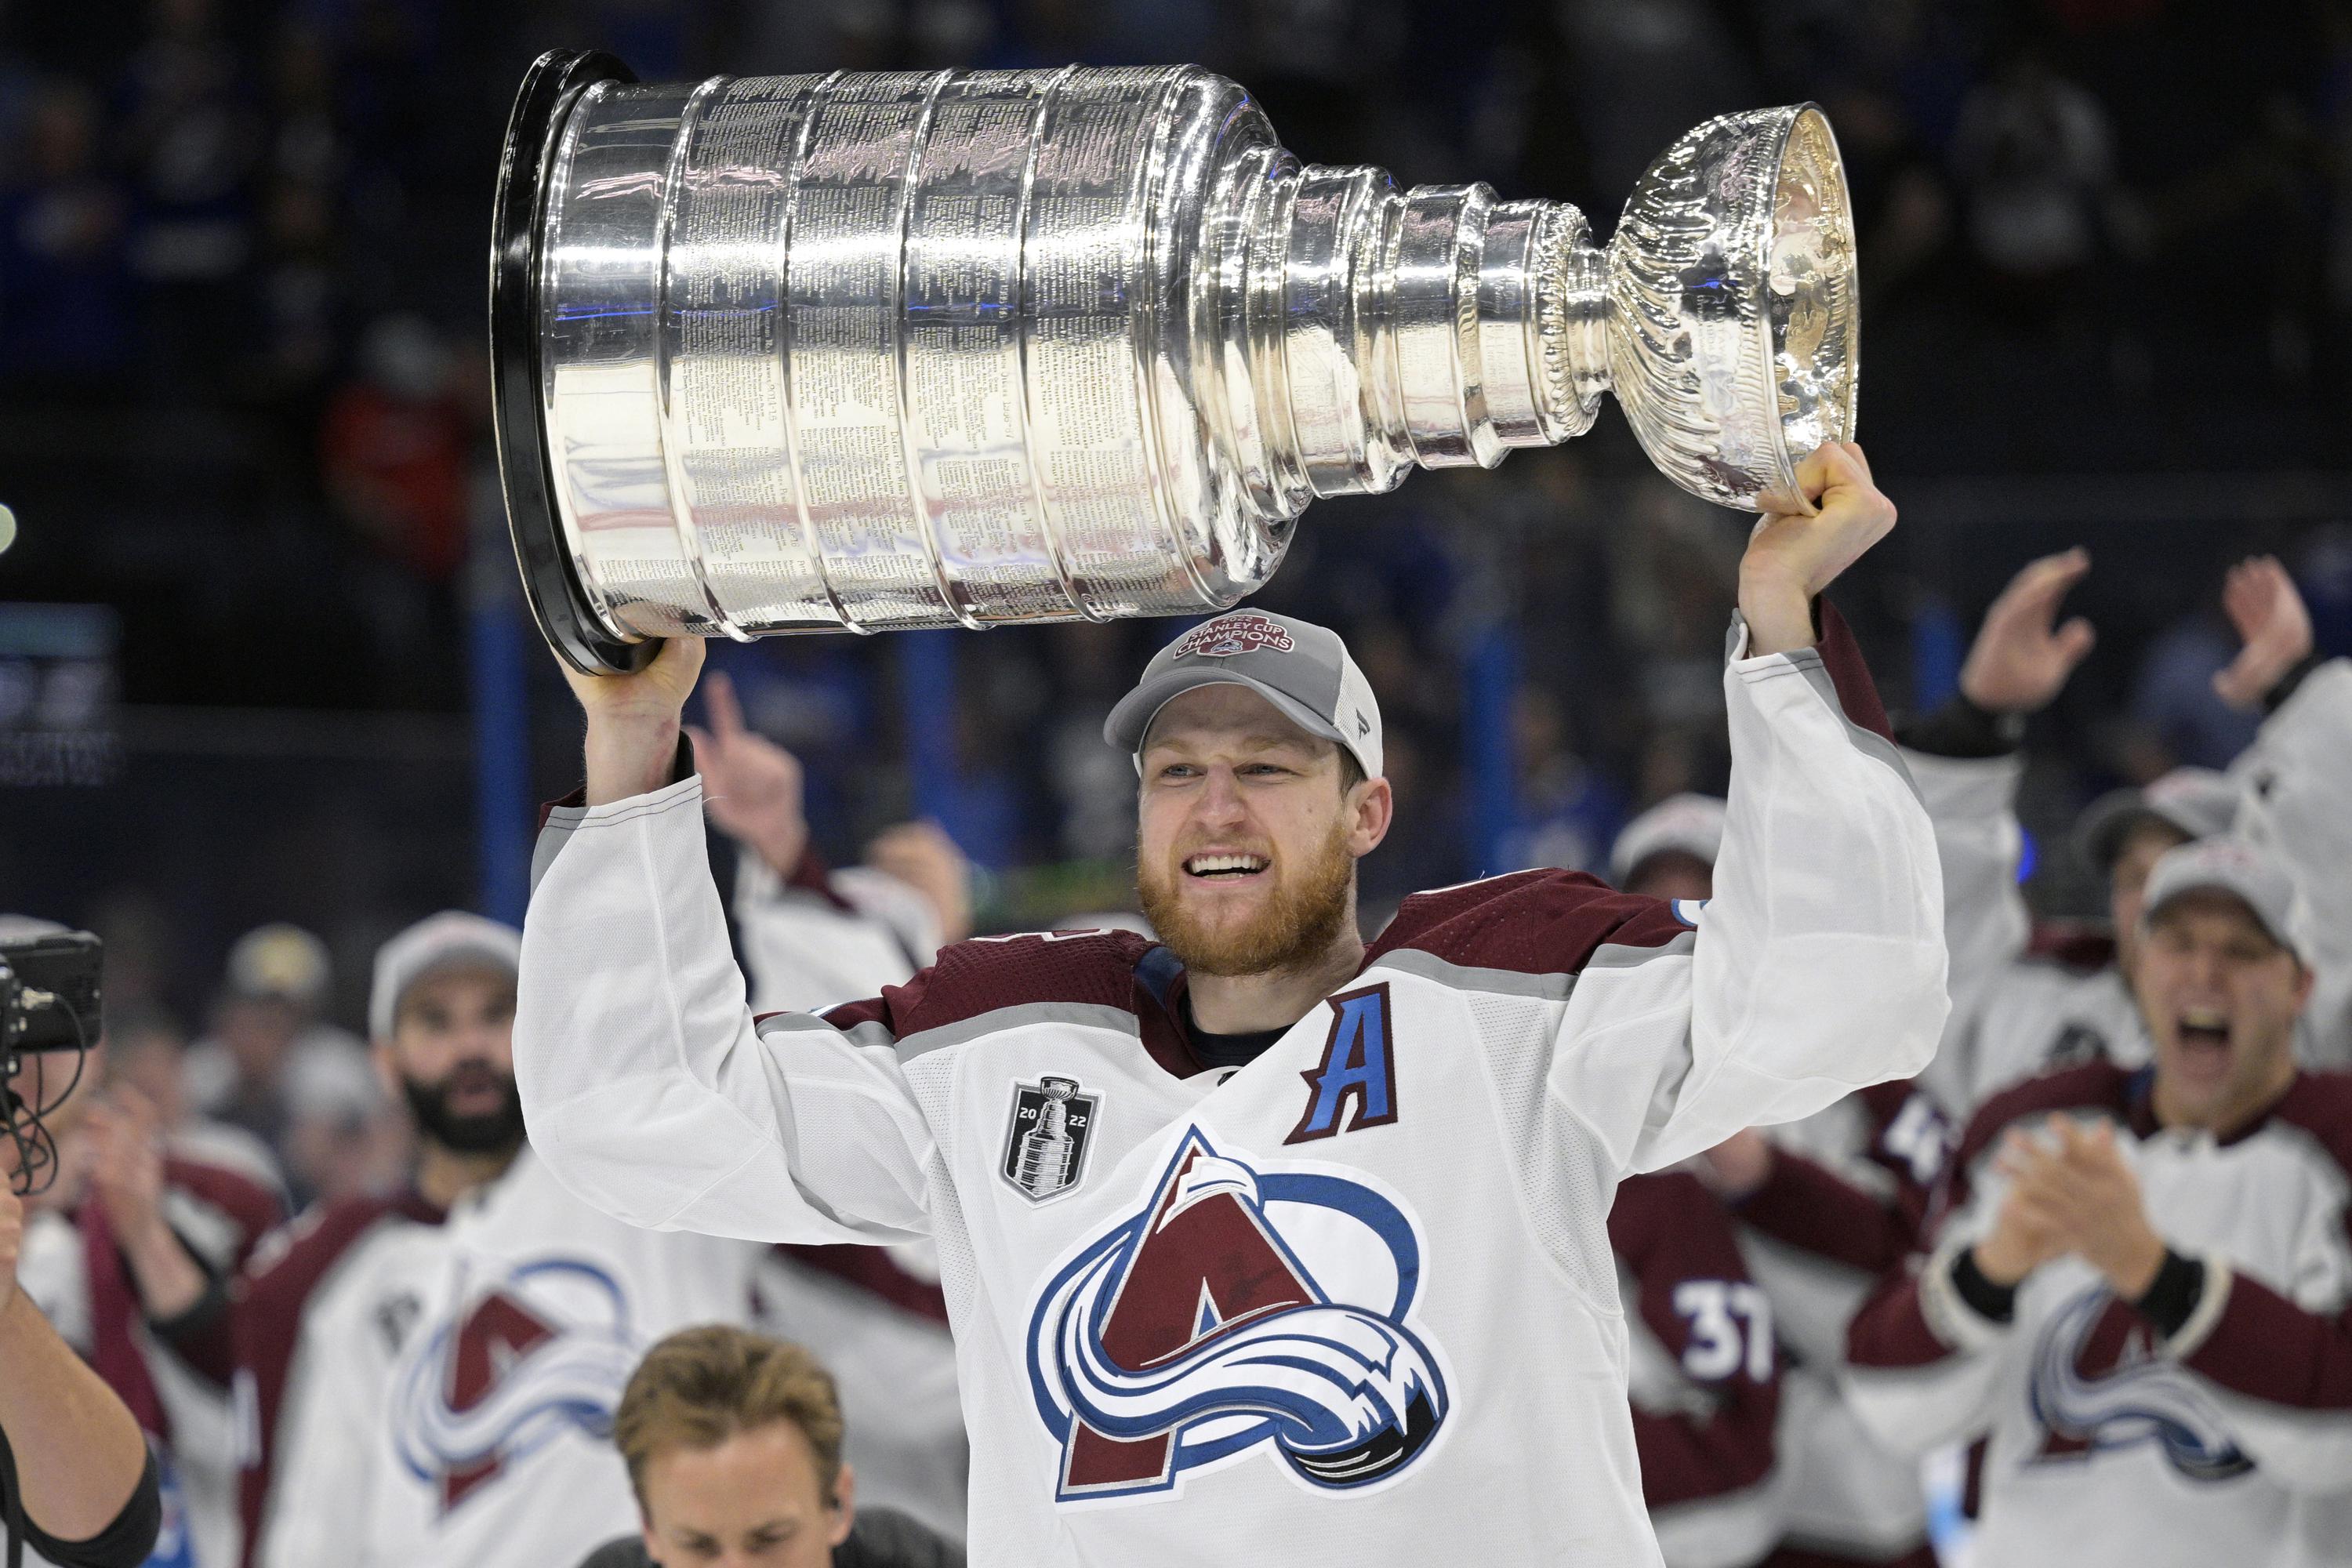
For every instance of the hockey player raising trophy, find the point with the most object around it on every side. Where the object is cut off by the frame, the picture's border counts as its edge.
(1261, 1245)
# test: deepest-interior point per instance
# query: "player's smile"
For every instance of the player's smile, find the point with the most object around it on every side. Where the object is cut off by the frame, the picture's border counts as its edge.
(1223, 866)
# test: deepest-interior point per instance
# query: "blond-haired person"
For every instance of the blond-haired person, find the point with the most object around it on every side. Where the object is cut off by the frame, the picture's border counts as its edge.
(733, 1443)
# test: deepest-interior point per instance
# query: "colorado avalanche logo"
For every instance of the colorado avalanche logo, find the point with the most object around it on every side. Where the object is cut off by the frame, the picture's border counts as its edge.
(1230, 634)
(1240, 1308)
(2098, 1384)
(545, 1351)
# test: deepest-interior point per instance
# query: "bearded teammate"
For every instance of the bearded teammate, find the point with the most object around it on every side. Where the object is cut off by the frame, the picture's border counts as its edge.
(424, 1377)
(1261, 1245)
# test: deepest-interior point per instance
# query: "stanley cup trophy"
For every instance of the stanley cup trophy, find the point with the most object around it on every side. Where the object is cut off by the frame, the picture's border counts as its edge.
(958, 348)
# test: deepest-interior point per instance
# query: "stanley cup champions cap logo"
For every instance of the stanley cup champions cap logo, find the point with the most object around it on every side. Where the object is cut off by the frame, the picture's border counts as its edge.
(1230, 634)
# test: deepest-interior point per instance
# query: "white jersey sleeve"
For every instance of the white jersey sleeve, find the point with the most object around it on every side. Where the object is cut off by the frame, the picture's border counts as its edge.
(1817, 968)
(2295, 778)
(649, 1091)
(321, 1485)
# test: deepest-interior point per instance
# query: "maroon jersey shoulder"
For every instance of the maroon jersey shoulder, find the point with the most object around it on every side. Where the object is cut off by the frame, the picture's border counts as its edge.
(2094, 1086)
(252, 1207)
(1669, 1211)
(1841, 657)
(873, 1271)
(1534, 922)
(2319, 1105)
(984, 975)
(289, 1264)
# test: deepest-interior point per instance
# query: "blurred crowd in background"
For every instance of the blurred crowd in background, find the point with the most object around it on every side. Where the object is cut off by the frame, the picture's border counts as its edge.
(2107, 258)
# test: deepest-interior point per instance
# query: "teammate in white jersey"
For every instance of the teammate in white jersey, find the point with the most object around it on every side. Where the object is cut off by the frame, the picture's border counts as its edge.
(427, 1377)
(1260, 1246)
(2142, 1291)
(2015, 1015)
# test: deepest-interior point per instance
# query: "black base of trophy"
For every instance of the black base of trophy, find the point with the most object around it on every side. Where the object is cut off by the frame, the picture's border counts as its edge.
(557, 601)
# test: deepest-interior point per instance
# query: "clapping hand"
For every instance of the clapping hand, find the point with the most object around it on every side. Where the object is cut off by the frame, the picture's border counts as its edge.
(2263, 605)
(127, 1159)
(2021, 659)
(2072, 1191)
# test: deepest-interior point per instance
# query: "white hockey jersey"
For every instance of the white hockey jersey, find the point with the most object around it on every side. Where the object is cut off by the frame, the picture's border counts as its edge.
(450, 1391)
(1350, 1303)
(1353, 1303)
(2230, 1442)
(2013, 1016)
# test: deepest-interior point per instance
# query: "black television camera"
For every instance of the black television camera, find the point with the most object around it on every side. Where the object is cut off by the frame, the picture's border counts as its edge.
(49, 1021)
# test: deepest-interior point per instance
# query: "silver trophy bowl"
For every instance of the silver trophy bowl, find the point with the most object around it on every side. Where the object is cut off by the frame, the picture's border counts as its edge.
(958, 348)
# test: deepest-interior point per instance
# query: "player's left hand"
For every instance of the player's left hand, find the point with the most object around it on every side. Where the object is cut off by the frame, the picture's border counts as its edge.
(1790, 559)
(2080, 1178)
(2268, 612)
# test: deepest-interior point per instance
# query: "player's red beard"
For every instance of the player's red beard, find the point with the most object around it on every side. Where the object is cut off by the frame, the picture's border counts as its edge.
(1292, 930)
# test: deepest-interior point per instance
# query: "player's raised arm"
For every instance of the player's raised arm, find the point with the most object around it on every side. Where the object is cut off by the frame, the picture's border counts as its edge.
(1817, 966)
(648, 1088)
(2294, 778)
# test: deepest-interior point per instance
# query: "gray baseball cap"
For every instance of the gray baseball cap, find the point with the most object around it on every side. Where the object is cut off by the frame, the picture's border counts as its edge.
(2253, 874)
(450, 940)
(1692, 824)
(2197, 802)
(1302, 669)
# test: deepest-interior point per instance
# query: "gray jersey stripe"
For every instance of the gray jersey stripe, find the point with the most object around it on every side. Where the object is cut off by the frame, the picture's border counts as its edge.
(562, 822)
(1084, 1015)
(1808, 663)
(872, 1032)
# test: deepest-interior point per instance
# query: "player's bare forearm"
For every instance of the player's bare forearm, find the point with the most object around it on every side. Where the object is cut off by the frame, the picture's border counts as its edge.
(627, 757)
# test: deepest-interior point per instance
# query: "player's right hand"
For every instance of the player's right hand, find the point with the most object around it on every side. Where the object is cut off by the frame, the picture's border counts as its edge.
(2019, 663)
(1791, 558)
(2269, 614)
(634, 720)
(654, 694)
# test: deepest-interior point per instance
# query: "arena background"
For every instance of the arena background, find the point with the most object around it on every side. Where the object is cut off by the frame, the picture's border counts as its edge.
(261, 651)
